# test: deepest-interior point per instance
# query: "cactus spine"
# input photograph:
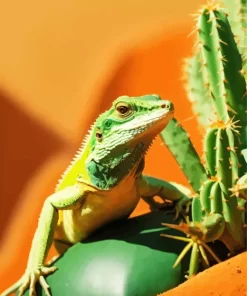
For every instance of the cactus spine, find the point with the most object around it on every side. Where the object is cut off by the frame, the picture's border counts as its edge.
(216, 72)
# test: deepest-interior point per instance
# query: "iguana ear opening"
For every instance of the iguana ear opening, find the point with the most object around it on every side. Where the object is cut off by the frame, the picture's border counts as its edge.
(99, 135)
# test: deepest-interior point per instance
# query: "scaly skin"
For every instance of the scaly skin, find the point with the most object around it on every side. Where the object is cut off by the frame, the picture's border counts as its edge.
(103, 183)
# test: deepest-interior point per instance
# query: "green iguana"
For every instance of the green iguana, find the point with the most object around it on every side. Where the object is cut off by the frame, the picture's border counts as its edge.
(103, 183)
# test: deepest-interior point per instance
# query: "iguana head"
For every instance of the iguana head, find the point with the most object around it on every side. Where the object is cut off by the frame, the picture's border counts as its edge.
(122, 135)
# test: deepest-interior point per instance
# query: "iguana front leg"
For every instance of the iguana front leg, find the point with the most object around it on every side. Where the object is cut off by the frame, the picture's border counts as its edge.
(150, 187)
(67, 198)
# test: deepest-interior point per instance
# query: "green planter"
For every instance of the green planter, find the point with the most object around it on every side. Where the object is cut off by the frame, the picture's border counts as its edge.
(126, 258)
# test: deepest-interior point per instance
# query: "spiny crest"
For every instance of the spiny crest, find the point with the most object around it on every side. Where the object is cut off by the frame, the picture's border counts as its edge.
(101, 118)
(77, 155)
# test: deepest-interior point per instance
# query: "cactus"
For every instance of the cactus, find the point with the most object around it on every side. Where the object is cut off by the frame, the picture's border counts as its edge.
(216, 84)
(237, 11)
(176, 137)
(198, 92)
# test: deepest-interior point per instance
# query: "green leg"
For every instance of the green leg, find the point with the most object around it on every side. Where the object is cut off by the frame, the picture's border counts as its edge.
(61, 248)
(150, 187)
(64, 199)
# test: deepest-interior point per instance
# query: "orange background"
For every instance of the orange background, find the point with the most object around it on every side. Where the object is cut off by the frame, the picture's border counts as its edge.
(61, 64)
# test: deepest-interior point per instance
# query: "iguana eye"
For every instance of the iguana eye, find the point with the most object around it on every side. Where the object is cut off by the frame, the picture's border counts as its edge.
(123, 109)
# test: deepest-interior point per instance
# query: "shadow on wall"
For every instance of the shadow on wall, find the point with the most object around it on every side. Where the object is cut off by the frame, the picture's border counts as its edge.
(25, 145)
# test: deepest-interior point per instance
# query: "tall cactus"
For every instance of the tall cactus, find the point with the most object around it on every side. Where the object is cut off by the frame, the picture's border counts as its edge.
(216, 72)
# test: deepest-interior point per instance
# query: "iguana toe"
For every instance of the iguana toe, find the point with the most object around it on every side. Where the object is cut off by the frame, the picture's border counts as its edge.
(32, 277)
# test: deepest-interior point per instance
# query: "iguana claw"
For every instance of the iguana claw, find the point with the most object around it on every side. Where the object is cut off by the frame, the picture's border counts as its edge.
(31, 278)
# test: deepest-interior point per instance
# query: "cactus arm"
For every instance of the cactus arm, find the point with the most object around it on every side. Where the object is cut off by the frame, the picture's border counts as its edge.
(198, 93)
(179, 144)
(212, 60)
(234, 159)
(205, 196)
(197, 214)
(223, 63)
(221, 148)
(209, 149)
(215, 197)
(237, 15)
(222, 152)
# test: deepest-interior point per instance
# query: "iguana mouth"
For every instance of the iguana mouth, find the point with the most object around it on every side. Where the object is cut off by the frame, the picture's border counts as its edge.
(152, 127)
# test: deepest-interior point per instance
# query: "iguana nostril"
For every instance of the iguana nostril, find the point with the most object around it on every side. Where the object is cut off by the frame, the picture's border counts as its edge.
(168, 105)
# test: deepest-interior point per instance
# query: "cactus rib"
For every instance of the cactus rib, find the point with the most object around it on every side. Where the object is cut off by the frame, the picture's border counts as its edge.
(177, 140)
(209, 149)
(205, 196)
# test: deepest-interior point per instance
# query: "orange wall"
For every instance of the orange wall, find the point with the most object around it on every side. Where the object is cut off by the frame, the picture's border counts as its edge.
(61, 63)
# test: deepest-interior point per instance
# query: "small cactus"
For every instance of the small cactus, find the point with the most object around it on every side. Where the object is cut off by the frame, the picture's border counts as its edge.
(217, 89)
